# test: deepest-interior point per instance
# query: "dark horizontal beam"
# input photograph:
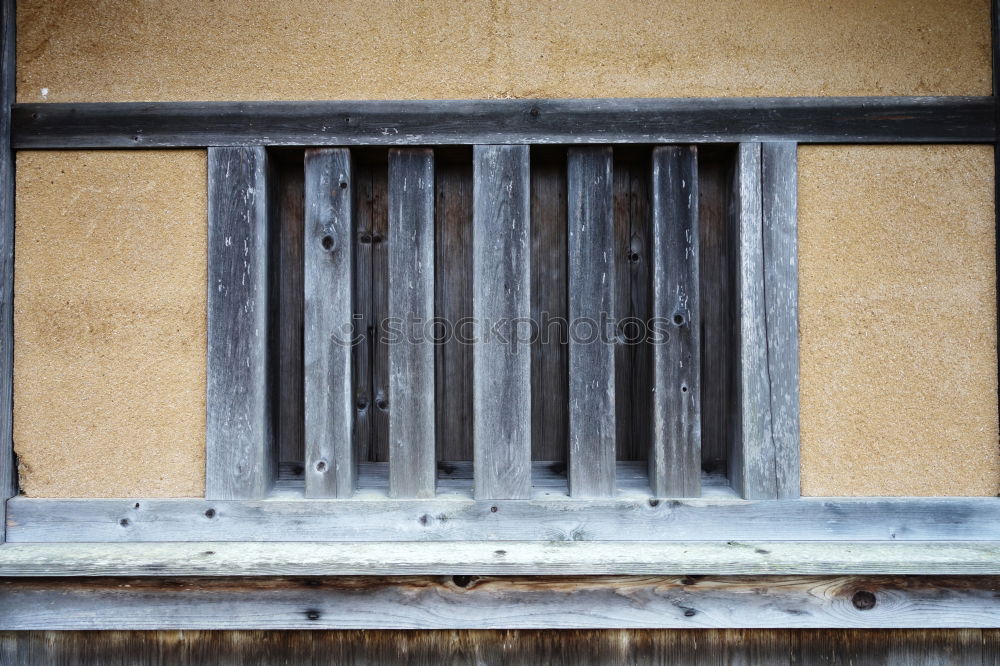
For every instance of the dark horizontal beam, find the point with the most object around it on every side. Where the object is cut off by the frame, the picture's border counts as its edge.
(569, 121)
(468, 602)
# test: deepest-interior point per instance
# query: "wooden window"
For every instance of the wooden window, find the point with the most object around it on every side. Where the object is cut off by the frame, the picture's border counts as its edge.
(548, 303)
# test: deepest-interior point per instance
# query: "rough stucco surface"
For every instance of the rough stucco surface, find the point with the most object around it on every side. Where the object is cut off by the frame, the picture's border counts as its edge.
(117, 50)
(898, 321)
(109, 309)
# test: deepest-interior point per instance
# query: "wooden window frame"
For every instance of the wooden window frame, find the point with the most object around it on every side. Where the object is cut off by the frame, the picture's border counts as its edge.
(239, 532)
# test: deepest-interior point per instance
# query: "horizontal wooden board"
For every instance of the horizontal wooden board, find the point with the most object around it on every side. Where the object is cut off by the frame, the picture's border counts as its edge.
(552, 518)
(498, 121)
(455, 602)
(507, 558)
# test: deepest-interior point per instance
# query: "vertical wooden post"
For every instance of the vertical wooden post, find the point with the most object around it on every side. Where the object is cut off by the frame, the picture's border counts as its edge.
(675, 449)
(501, 308)
(240, 457)
(412, 464)
(779, 204)
(764, 457)
(331, 463)
(8, 471)
(592, 425)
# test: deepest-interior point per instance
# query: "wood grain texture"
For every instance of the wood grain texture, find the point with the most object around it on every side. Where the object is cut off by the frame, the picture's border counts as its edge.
(240, 457)
(464, 602)
(8, 468)
(779, 204)
(633, 291)
(501, 306)
(572, 558)
(752, 468)
(592, 425)
(517, 647)
(548, 516)
(675, 448)
(412, 462)
(330, 465)
(501, 121)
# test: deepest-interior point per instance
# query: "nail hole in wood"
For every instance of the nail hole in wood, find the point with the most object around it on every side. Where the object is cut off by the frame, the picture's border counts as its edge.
(678, 319)
(377, 238)
(327, 242)
(210, 513)
(494, 509)
(366, 238)
(690, 612)
(123, 522)
(312, 614)
(462, 581)
(321, 466)
(382, 404)
(343, 184)
(137, 505)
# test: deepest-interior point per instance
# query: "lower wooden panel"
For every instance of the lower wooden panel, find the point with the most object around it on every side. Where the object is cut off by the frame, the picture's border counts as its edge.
(859, 647)
(470, 602)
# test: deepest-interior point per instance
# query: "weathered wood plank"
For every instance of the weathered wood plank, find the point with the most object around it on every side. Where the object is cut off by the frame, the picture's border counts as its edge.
(481, 603)
(675, 449)
(240, 456)
(364, 352)
(412, 464)
(550, 516)
(779, 188)
(330, 465)
(511, 558)
(590, 223)
(501, 308)
(751, 457)
(558, 121)
(8, 467)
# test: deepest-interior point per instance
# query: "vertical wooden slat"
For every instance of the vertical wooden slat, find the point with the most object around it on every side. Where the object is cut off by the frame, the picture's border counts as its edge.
(751, 459)
(330, 465)
(779, 184)
(364, 351)
(412, 465)
(764, 458)
(381, 242)
(8, 478)
(590, 224)
(501, 307)
(240, 460)
(675, 449)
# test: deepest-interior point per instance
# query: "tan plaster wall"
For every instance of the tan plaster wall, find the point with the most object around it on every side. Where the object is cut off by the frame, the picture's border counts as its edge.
(899, 375)
(109, 320)
(117, 50)
(897, 323)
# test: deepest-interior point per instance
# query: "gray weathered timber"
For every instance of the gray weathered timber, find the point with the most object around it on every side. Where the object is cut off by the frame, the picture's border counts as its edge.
(675, 447)
(412, 464)
(368, 602)
(779, 189)
(509, 558)
(590, 224)
(558, 121)
(501, 308)
(8, 468)
(751, 456)
(548, 516)
(330, 456)
(240, 456)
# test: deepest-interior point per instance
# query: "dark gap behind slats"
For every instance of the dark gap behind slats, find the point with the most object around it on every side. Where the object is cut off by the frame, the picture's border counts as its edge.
(453, 301)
